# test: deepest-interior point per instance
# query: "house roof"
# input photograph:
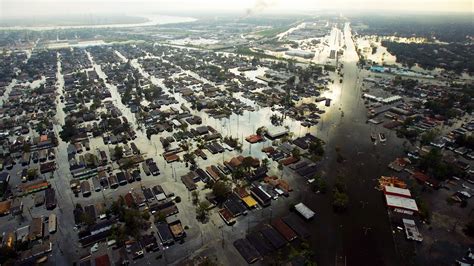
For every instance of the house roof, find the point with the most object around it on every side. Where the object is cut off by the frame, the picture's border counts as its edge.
(102, 260)
(249, 201)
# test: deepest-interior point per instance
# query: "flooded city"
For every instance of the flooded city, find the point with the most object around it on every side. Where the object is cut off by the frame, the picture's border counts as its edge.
(254, 138)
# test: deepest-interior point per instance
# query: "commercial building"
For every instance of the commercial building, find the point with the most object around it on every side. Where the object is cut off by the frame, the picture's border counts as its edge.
(401, 204)
(300, 53)
(306, 212)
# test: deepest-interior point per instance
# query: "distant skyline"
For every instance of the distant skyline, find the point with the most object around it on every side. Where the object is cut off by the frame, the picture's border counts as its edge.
(38, 8)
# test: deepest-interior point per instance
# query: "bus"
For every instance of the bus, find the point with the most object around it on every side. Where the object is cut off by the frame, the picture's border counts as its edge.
(52, 223)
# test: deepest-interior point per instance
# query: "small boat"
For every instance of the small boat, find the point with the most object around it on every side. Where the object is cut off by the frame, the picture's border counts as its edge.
(382, 137)
(373, 137)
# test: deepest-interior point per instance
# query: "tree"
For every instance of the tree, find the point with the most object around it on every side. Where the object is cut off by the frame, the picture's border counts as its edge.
(68, 131)
(26, 147)
(261, 130)
(221, 189)
(423, 209)
(32, 173)
(340, 201)
(247, 163)
(195, 197)
(238, 173)
(296, 153)
(316, 147)
(280, 166)
(202, 210)
(160, 217)
(322, 185)
(469, 229)
(428, 137)
(118, 152)
(340, 184)
(340, 198)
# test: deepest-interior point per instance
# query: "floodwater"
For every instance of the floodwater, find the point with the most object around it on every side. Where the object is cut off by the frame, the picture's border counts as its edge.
(362, 235)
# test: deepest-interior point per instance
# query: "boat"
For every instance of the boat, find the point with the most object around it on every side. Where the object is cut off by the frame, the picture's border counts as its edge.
(382, 137)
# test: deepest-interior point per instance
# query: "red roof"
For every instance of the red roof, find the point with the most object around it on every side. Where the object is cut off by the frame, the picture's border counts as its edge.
(241, 192)
(289, 160)
(254, 138)
(102, 260)
(284, 229)
(129, 200)
(421, 177)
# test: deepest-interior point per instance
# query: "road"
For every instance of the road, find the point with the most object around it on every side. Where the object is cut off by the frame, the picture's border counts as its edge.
(361, 235)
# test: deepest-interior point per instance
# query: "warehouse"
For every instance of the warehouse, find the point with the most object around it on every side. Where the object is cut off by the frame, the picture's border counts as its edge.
(304, 211)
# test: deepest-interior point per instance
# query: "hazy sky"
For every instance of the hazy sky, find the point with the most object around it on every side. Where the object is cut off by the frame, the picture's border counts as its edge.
(28, 8)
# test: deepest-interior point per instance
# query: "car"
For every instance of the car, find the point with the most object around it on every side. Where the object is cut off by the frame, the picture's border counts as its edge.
(111, 242)
(24, 175)
(382, 137)
(94, 248)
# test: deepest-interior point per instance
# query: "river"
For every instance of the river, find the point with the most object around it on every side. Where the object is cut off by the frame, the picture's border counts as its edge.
(152, 21)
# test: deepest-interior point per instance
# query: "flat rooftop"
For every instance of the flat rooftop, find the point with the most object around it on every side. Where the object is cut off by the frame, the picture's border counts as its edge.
(397, 191)
(401, 202)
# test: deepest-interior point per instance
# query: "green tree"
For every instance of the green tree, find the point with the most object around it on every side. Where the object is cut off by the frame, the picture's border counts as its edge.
(340, 184)
(296, 153)
(238, 173)
(321, 185)
(195, 197)
(247, 163)
(423, 209)
(32, 173)
(68, 131)
(340, 201)
(428, 137)
(118, 152)
(261, 130)
(202, 210)
(316, 147)
(221, 189)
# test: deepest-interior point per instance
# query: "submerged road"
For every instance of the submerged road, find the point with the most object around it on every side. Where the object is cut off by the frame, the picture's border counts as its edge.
(362, 235)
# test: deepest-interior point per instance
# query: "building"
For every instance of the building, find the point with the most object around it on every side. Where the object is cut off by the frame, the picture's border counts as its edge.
(36, 229)
(261, 196)
(396, 191)
(248, 252)
(276, 133)
(284, 229)
(300, 53)
(4, 180)
(411, 230)
(5, 207)
(401, 204)
(306, 212)
(102, 260)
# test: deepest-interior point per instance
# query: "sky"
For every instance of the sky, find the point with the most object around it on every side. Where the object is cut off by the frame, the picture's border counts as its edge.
(28, 8)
